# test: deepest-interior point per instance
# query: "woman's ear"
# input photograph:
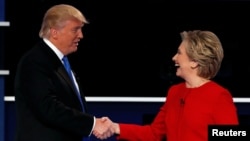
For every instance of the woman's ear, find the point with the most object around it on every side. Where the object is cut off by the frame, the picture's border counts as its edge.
(194, 64)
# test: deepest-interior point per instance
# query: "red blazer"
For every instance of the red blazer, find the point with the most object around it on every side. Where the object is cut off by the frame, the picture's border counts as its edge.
(186, 114)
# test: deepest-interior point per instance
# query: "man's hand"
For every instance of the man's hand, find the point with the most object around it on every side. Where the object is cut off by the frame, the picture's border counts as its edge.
(104, 128)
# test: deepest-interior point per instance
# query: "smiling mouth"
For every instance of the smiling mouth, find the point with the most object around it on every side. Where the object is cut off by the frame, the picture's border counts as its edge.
(76, 43)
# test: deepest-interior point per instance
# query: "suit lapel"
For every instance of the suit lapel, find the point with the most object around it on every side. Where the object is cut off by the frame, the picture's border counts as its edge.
(59, 68)
(66, 77)
(62, 72)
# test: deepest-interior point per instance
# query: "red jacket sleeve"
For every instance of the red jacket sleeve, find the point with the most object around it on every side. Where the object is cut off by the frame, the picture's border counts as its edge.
(155, 131)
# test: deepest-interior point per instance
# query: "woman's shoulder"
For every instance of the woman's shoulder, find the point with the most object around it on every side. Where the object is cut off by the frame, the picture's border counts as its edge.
(177, 86)
(212, 85)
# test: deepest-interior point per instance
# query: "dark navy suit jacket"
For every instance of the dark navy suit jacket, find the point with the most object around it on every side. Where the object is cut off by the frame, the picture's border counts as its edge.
(46, 104)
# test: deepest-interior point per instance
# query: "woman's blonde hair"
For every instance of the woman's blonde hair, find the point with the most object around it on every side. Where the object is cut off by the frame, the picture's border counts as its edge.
(205, 48)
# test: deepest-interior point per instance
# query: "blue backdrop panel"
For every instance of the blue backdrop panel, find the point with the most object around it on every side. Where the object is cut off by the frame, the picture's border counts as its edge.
(2, 108)
(2, 14)
(2, 10)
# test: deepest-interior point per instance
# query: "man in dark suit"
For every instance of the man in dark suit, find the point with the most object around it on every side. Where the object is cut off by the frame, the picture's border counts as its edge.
(49, 102)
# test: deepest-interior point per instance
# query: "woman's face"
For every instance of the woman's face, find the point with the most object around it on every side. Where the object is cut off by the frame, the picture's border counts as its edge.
(182, 62)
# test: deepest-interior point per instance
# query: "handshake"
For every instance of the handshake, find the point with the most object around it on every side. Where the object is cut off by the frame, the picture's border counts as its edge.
(105, 128)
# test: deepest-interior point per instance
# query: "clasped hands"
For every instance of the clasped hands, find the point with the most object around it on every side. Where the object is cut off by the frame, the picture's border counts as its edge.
(105, 128)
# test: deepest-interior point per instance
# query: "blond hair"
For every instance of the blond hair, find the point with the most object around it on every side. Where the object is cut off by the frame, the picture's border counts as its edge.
(205, 48)
(56, 17)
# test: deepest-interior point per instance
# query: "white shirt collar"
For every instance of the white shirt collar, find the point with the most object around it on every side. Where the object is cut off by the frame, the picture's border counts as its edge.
(54, 48)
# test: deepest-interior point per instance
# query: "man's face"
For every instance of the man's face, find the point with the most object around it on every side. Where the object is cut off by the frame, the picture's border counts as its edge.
(69, 36)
